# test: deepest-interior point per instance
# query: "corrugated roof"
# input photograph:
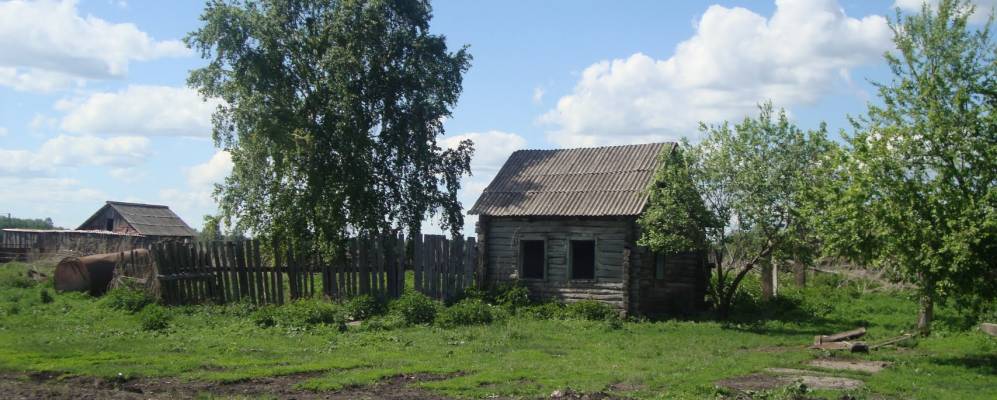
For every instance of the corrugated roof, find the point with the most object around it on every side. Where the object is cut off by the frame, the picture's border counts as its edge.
(150, 219)
(601, 181)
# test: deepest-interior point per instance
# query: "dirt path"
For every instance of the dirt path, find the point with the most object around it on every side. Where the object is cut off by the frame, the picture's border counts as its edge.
(49, 386)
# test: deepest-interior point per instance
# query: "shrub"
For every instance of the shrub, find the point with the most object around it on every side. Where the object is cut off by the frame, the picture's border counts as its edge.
(364, 307)
(45, 296)
(415, 308)
(466, 312)
(512, 296)
(544, 311)
(155, 318)
(301, 314)
(129, 300)
(590, 310)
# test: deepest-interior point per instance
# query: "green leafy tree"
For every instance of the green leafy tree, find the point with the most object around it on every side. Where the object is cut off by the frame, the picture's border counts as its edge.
(738, 193)
(675, 220)
(331, 111)
(917, 190)
(212, 229)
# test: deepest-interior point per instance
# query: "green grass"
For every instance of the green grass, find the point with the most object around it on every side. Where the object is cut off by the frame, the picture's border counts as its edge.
(515, 356)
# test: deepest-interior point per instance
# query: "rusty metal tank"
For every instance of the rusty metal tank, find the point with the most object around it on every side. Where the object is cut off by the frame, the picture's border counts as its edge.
(93, 273)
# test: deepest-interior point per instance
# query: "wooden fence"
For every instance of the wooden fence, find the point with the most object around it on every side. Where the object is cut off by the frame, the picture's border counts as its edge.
(223, 272)
(443, 268)
(14, 246)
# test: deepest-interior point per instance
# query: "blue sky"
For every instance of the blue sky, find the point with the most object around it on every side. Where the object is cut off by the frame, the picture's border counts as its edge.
(93, 104)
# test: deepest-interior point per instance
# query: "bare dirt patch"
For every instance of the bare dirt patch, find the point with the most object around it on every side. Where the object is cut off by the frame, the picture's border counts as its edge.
(871, 367)
(763, 381)
(51, 386)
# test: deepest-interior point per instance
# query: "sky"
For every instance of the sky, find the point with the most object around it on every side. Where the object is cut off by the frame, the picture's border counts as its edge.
(94, 104)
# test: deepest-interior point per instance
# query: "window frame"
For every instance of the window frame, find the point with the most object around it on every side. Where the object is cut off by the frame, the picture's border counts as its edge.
(520, 255)
(571, 258)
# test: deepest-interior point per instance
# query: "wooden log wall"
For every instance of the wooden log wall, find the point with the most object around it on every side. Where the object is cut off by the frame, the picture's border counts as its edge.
(29, 245)
(15, 246)
(611, 236)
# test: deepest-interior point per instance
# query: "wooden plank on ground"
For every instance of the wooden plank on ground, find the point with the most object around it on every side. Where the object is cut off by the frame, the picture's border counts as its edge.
(837, 337)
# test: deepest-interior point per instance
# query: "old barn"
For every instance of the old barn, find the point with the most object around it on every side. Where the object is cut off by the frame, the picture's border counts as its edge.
(564, 223)
(155, 222)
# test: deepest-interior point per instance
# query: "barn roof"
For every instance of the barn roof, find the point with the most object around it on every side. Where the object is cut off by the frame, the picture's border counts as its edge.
(601, 181)
(148, 219)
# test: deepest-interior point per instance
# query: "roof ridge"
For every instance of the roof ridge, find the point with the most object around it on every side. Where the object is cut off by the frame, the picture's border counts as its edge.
(600, 147)
(124, 203)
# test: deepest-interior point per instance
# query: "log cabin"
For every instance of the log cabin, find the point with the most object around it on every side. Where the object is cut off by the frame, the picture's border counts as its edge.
(564, 223)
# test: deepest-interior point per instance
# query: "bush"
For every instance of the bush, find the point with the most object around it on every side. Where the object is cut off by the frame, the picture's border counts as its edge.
(364, 307)
(129, 300)
(301, 314)
(590, 310)
(415, 308)
(45, 296)
(466, 312)
(155, 318)
(544, 311)
(512, 296)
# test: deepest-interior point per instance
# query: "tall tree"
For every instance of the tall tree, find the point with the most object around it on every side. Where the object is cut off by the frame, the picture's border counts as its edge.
(738, 193)
(331, 112)
(917, 191)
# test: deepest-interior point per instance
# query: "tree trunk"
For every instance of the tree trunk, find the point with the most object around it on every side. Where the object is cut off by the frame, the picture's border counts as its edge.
(800, 270)
(926, 314)
(768, 289)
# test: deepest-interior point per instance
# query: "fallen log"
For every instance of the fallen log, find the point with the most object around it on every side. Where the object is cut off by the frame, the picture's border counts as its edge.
(990, 329)
(92, 273)
(837, 337)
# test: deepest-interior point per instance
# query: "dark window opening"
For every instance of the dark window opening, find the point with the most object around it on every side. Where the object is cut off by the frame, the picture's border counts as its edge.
(582, 259)
(110, 224)
(533, 259)
(659, 266)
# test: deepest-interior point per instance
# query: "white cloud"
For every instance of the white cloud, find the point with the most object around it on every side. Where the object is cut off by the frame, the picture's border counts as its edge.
(982, 12)
(73, 151)
(213, 171)
(491, 150)
(36, 80)
(538, 95)
(735, 60)
(140, 110)
(58, 198)
(127, 174)
(47, 44)
(195, 200)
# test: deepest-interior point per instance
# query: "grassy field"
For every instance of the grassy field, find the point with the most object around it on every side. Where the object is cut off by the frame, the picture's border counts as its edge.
(515, 356)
